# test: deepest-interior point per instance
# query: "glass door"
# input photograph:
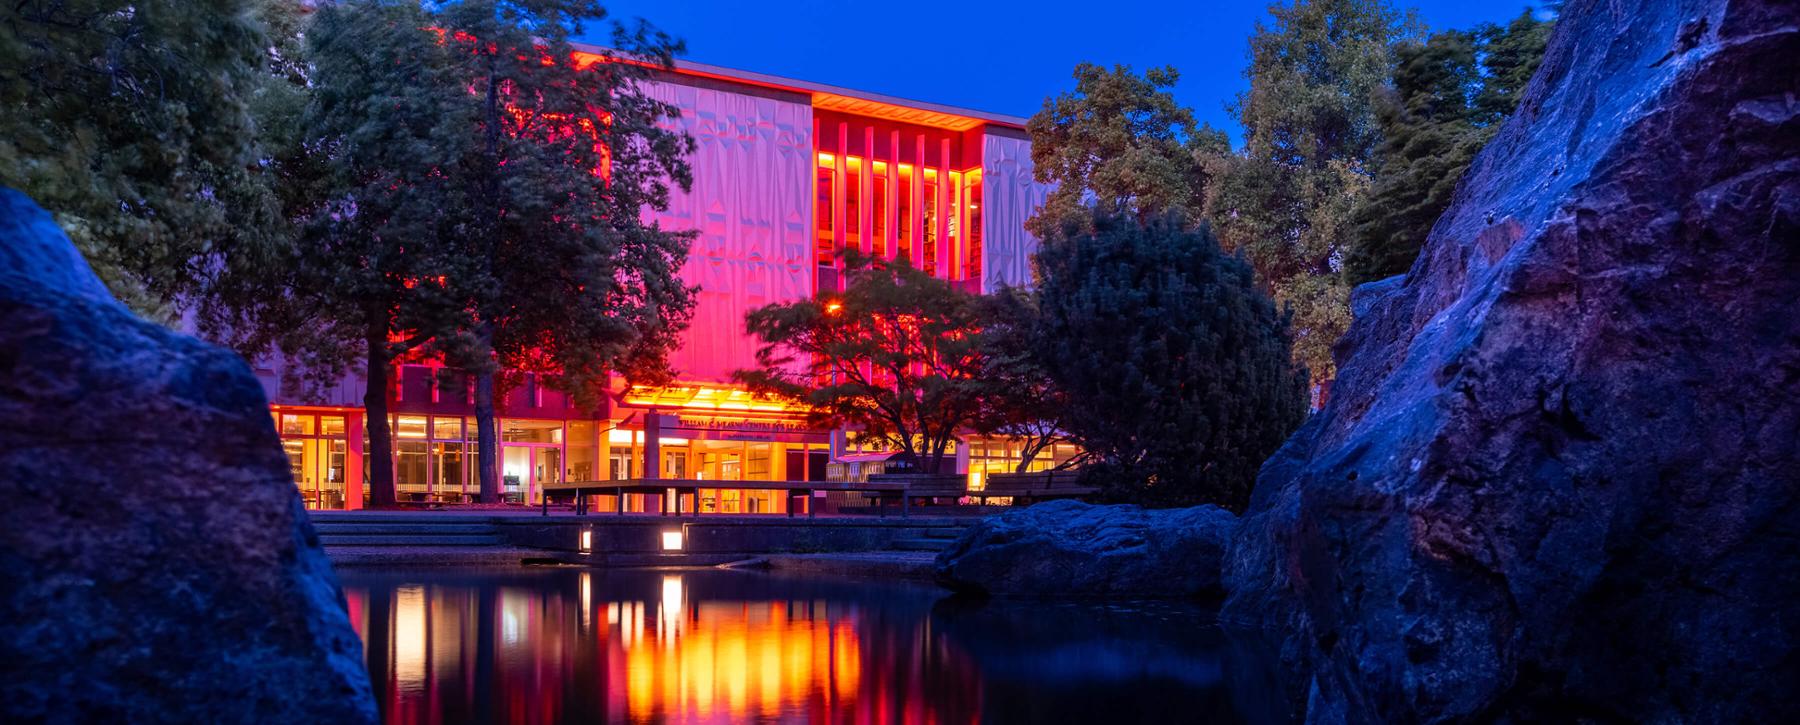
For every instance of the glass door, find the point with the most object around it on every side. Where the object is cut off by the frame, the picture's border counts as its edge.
(524, 469)
(546, 467)
(515, 473)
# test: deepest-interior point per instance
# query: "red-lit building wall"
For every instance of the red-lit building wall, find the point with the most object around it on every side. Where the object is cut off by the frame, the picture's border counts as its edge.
(750, 205)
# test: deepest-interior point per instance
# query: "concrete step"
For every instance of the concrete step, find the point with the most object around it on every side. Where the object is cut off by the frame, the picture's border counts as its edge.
(948, 533)
(330, 540)
(369, 517)
(410, 527)
(921, 544)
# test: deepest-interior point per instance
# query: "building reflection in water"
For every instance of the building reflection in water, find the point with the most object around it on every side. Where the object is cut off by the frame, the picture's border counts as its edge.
(654, 646)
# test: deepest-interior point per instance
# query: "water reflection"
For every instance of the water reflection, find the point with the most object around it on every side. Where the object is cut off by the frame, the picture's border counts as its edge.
(560, 645)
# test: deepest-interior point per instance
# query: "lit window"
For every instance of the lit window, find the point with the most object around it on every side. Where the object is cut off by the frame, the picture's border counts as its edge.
(410, 426)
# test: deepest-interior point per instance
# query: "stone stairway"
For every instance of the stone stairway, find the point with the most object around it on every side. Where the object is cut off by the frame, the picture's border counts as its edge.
(359, 538)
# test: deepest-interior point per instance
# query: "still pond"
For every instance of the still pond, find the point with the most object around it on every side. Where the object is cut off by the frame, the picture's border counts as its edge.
(553, 645)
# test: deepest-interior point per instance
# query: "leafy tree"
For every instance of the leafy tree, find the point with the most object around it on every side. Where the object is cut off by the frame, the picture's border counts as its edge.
(1121, 141)
(1175, 368)
(130, 121)
(561, 157)
(466, 190)
(1309, 120)
(371, 268)
(898, 356)
(1020, 401)
(1449, 95)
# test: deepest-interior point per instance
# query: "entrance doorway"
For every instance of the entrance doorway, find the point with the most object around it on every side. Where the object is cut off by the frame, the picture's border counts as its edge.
(525, 468)
(317, 449)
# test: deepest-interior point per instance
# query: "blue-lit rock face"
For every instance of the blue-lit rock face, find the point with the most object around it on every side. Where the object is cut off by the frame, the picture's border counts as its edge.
(1560, 473)
(155, 562)
(1068, 549)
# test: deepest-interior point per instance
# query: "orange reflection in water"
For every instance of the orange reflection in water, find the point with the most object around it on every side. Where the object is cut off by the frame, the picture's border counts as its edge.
(650, 647)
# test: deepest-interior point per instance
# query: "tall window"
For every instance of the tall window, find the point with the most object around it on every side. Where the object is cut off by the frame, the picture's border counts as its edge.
(903, 223)
(825, 250)
(972, 188)
(929, 219)
(878, 223)
(853, 202)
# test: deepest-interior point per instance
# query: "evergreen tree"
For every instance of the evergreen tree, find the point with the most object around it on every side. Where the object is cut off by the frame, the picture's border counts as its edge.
(1448, 98)
(130, 121)
(1121, 141)
(1174, 367)
(1310, 129)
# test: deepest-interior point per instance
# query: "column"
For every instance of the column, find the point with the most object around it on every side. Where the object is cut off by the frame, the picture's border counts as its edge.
(353, 460)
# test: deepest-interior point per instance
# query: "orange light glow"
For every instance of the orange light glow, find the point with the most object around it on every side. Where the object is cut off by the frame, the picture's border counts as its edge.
(743, 662)
(702, 397)
(832, 308)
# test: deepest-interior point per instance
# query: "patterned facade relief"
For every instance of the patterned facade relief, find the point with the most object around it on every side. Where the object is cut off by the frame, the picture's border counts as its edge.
(1009, 197)
(752, 206)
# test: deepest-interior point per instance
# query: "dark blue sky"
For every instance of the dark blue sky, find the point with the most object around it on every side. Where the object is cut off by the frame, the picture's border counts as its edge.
(1003, 57)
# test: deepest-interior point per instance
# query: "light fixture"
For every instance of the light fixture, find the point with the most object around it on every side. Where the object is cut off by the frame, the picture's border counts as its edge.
(587, 541)
(671, 541)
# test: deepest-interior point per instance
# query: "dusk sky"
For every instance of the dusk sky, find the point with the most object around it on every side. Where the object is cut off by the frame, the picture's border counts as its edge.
(1003, 57)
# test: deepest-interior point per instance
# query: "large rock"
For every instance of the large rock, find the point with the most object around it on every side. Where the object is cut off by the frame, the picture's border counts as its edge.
(1073, 549)
(1560, 474)
(155, 562)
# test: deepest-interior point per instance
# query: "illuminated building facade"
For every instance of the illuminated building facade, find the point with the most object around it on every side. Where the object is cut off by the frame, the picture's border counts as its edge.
(786, 174)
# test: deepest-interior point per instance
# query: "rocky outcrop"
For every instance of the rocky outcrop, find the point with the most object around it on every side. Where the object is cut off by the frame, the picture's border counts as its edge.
(1560, 472)
(155, 562)
(1072, 549)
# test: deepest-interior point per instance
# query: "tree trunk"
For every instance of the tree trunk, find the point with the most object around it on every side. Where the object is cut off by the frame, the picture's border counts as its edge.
(487, 437)
(375, 403)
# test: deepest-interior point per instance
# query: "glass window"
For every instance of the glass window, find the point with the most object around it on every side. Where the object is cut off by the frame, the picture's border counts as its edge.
(296, 425)
(825, 250)
(446, 429)
(757, 462)
(331, 425)
(973, 265)
(619, 464)
(471, 430)
(410, 426)
(410, 465)
(903, 221)
(852, 203)
(582, 436)
(929, 220)
(878, 223)
(450, 474)
(515, 430)
(953, 227)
